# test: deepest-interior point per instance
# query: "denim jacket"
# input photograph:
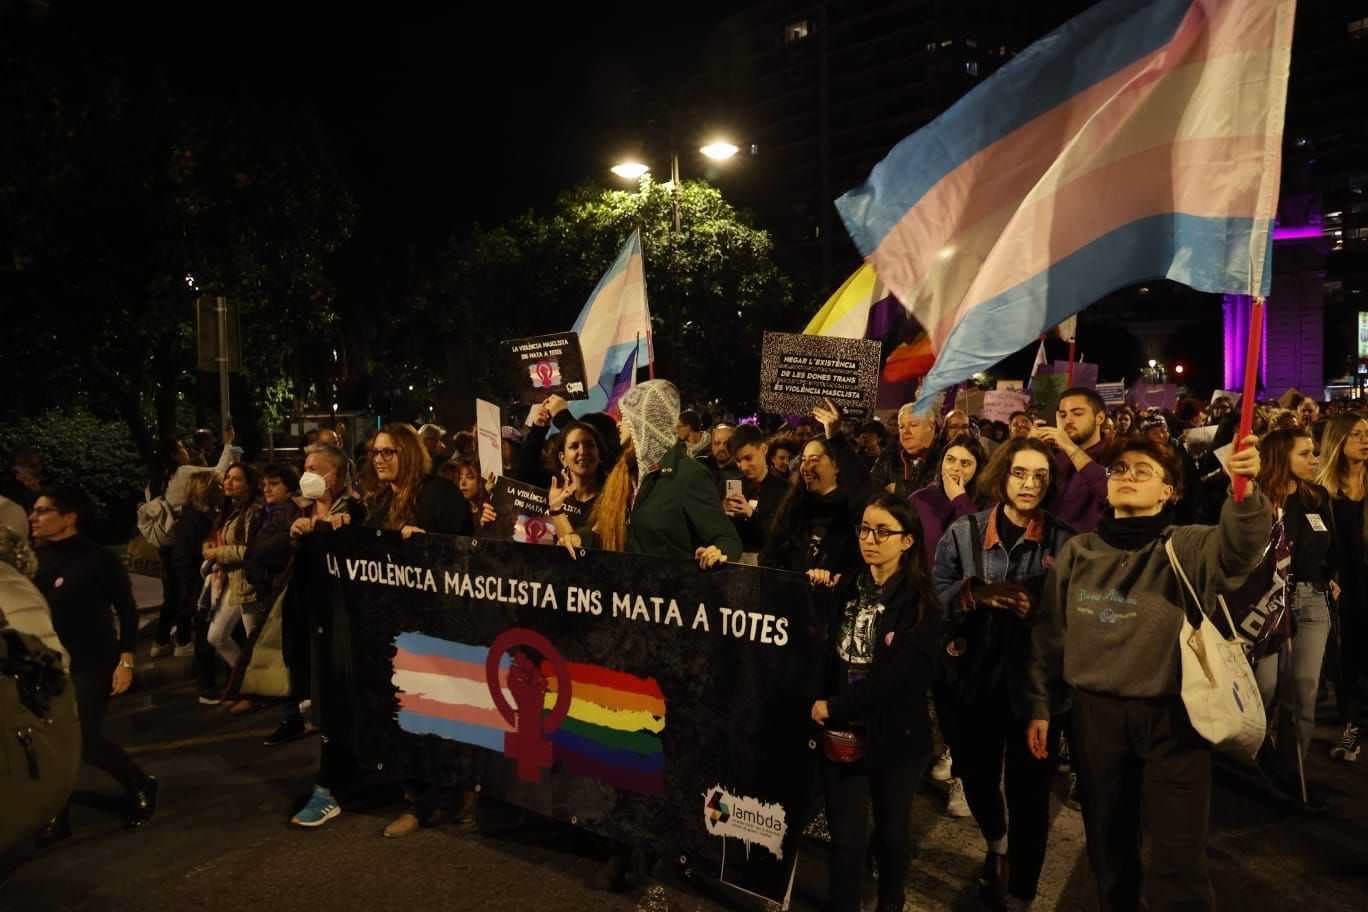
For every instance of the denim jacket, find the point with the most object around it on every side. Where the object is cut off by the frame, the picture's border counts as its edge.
(995, 642)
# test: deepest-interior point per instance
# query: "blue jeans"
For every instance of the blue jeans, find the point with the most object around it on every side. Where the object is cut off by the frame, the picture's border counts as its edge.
(1292, 676)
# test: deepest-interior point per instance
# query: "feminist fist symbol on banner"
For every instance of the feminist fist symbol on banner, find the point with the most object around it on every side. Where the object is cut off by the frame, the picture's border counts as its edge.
(527, 742)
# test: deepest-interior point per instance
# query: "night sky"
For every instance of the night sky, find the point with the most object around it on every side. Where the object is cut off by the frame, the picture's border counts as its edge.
(441, 114)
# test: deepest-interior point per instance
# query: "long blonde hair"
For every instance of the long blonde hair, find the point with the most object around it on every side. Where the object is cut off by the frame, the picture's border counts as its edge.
(609, 517)
(1333, 465)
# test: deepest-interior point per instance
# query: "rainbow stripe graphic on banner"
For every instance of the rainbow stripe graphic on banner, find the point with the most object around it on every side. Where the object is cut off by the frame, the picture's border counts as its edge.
(611, 734)
(1139, 140)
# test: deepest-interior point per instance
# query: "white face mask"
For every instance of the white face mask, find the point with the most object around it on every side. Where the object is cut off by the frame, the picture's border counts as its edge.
(312, 485)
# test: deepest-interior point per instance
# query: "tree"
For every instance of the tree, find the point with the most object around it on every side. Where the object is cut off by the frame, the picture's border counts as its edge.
(713, 287)
(124, 198)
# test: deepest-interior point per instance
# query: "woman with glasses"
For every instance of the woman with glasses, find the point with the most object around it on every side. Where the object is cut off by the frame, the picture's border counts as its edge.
(400, 495)
(1291, 672)
(1108, 627)
(989, 572)
(876, 734)
(1343, 472)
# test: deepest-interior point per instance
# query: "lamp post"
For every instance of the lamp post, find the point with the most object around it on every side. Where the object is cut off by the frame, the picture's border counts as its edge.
(717, 150)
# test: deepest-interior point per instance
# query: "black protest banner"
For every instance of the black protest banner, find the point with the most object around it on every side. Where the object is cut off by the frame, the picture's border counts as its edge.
(543, 365)
(520, 513)
(798, 371)
(672, 703)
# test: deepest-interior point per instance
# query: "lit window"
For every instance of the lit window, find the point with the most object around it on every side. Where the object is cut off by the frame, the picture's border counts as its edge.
(796, 31)
(946, 43)
(931, 47)
(971, 67)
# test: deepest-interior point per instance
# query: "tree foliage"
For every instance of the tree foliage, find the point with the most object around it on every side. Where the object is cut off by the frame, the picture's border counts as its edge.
(124, 199)
(713, 287)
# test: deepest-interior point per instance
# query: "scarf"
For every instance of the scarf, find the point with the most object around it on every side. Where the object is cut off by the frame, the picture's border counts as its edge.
(1135, 532)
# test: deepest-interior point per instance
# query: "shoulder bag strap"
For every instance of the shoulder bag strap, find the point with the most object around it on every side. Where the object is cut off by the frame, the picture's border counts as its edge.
(1196, 600)
(978, 546)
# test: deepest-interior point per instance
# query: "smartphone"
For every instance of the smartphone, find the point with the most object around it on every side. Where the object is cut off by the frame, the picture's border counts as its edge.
(733, 487)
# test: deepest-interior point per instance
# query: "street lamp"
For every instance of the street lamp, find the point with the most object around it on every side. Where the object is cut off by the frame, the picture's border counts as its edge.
(717, 150)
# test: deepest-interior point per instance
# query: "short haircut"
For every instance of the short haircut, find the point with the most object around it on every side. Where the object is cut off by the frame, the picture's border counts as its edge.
(282, 472)
(1094, 400)
(431, 432)
(68, 498)
(1013, 417)
(690, 418)
(785, 442)
(876, 428)
(1161, 453)
(746, 435)
(724, 426)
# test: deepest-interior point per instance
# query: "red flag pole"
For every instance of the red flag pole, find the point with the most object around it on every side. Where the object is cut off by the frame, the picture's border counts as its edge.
(1256, 318)
(1073, 347)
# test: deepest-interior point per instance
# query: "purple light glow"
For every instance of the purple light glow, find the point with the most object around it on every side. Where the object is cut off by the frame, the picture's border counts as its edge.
(1237, 310)
(1297, 232)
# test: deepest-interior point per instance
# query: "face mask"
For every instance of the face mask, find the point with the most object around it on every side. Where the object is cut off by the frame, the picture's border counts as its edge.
(312, 485)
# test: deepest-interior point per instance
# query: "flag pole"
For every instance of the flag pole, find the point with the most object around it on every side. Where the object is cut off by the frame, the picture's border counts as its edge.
(1073, 348)
(1256, 318)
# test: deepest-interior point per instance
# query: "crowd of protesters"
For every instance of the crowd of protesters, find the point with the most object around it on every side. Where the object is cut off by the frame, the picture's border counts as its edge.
(956, 552)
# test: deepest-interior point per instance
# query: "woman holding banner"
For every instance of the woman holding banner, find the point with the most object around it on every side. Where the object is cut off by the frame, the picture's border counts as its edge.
(401, 495)
(876, 732)
(656, 500)
(671, 500)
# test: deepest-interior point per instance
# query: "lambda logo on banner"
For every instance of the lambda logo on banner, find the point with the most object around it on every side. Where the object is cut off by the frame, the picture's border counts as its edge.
(749, 819)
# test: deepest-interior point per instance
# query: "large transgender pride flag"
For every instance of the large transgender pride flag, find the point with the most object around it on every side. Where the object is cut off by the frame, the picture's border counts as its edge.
(1139, 140)
(611, 733)
(614, 325)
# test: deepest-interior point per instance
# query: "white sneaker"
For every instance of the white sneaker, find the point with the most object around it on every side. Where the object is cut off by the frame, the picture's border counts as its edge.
(956, 805)
(940, 770)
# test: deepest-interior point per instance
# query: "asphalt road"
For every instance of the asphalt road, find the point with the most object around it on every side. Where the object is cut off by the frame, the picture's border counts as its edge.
(221, 839)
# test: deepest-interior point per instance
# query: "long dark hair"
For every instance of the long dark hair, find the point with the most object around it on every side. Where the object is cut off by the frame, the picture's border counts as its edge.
(231, 508)
(980, 463)
(912, 567)
(789, 515)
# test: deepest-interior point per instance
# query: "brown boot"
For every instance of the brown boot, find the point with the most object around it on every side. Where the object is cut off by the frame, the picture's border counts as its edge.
(406, 824)
(992, 880)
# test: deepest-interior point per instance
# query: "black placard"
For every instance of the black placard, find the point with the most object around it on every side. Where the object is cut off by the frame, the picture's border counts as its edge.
(543, 365)
(797, 372)
(520, 513)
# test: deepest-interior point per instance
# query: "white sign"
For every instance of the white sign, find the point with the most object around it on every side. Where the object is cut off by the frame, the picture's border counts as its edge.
(748, 819)
(487, 425)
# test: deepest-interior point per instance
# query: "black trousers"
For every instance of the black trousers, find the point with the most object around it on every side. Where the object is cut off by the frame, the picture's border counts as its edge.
(984, 738)
(1349, 650)
(92, 698)
(849, 790)
(1142, 760)
(173, 607)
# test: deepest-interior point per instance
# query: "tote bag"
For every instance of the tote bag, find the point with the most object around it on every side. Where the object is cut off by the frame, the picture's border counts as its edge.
(1219, 691)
